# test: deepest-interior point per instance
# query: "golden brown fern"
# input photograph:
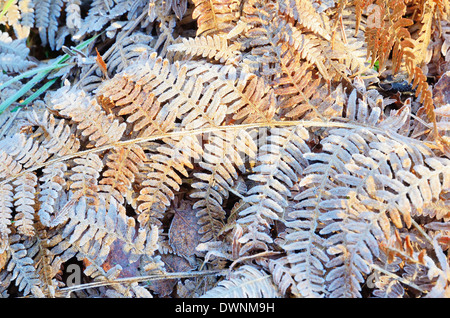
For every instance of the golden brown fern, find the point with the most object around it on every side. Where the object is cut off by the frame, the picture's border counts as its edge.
(215, 16)
(254, 159)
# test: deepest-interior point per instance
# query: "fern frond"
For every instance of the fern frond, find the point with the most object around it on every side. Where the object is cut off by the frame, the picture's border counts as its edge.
(256, 103)
(102, 12)
(23, 271)
(129, 51)
(25, 188)
(92, 120)
(91, 233)
(141, 107)
(159, 186)
(305, 249)
(13, 54)
(408, 193)
(27, 19)
(334, 202)
(423, 90)
(306, 16)
(354, 245)
(223, 153)
(25, 151)
(247, 282)
(73, 14)
(217, 16)
(429, 11)
(6, 203)
(48, 266)
(279, 163)
(10, 13)
(57, 138)
(84, 177)
(47, 14)
(254, 139)
(281, 276)
(53, 184)
(213, 47)
(123, 165)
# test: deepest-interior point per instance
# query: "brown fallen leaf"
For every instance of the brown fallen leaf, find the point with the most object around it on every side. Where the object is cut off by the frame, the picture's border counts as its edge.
(117, 256)
(173, 263)
(184, 231)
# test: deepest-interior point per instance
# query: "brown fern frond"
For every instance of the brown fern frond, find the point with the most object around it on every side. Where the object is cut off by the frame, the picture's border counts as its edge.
(253, 148)
(303, 13)
(419, 82)
(92, 121)
(164, 179)
(84, 178)
(123, 165)
(385, 30)
(215, 17)
(212, 47)
(25, 188)
(256, 103)
(224, 157)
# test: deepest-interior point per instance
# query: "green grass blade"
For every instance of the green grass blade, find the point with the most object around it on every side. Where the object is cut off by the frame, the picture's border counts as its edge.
(22, 91)
(40, 76)
(31, 73)
(36, 94)
(5, 8)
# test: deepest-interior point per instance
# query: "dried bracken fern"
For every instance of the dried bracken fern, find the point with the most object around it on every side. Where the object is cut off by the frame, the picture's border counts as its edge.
(224, 148)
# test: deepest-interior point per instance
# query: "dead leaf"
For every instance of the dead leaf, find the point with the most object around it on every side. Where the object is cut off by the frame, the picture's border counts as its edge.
(173, 263)
(183, 233)
(101, 64)
(441, 91)
(117, 256)
(3, 259)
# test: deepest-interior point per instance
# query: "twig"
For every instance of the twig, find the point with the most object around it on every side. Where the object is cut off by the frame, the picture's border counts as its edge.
(244, 258)
(129, 280)
(396, 277)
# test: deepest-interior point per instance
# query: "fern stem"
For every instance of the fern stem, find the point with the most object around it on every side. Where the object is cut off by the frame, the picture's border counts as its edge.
(394, 276)
(244, 258)
(421, 231)
(302, 123)
(135, 279)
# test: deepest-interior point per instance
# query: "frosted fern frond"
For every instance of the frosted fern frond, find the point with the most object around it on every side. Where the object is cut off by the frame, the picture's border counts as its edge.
(224, 156)
(91, 233)
(23, 271)
(92, 120)
(215, 16)
(279, 163)
(5, 215)
(13, 54)
(53, 184)
(212, 47)
(123, 166)
(304, 13)
(102, 12)
(247, 282)
(224, 148)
